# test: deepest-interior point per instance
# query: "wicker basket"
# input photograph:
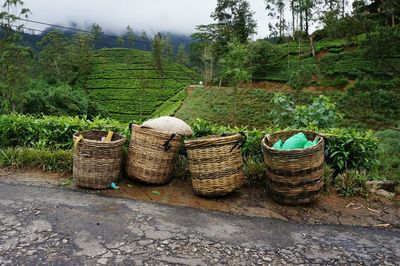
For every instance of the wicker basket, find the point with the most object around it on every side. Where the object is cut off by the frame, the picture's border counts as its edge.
(215, 164)
(151, 155)
(97, 164)
(295, 177)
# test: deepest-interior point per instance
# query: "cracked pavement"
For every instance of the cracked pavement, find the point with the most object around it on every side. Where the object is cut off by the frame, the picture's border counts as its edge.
(43, 226)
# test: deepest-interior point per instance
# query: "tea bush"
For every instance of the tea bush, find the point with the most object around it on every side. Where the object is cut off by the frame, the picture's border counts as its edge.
(345, 148)
(50, 132)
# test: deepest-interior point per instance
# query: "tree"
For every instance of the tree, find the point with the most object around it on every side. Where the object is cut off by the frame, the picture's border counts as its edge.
(120, 41)
(80, 53)
(181, 55)
(10, 13)
(130, 36)
(233, 67)
(233, 63)
(145, 38)
(233, 20)
(158, 51)
(14, 71)
(14, 58)
(97, 32)
(53, 59)
(168, 48)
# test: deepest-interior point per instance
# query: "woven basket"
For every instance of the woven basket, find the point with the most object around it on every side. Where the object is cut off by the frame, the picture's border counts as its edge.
(295, 177)
(215, 164)
(151, 155)
(97, 164)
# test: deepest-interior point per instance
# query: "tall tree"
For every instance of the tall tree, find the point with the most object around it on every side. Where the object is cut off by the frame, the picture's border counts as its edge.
(168, 48)
(145, 38)
(120, 41)
(80, 53)
(181, 56)
(97, 32)
(130, 37)
(158, 51)
(54, 64)
(11, 11)
(14, 57)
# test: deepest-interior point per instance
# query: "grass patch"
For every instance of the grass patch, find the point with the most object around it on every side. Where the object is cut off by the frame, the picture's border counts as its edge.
(388, 155)
(57, 160)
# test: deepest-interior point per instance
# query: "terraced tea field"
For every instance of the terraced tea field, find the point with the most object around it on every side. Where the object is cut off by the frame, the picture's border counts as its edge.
(128, 86)
(335, 59)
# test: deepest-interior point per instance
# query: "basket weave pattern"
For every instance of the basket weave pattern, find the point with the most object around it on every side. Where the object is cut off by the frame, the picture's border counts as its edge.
(97, 164)
(215, 164)
(294, 176)
(152, 155)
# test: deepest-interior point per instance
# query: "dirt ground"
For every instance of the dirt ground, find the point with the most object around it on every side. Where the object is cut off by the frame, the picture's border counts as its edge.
(249, 201)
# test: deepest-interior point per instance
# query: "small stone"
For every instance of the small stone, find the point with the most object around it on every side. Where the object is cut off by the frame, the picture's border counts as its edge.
(384, 193)
(102, 261)
(64, 241)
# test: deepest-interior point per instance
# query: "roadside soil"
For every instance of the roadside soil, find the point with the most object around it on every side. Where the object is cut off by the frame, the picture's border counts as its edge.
(249, 201)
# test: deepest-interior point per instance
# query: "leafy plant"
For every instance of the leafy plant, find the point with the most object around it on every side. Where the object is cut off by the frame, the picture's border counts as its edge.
(322, 113)
(351, 183)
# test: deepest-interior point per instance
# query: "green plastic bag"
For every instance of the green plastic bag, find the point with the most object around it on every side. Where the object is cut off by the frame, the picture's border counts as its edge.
(295, 142)
(278, 144)
(309, 144)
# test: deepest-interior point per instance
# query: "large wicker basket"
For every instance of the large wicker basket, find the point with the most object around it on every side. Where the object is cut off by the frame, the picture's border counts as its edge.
(215, 164)
(295, 177)
(97, 164)
(151, 155)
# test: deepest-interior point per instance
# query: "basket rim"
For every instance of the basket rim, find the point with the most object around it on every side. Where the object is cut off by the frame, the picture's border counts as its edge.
(156, 133)
(122, 138)
(265, 145)
(213, 140)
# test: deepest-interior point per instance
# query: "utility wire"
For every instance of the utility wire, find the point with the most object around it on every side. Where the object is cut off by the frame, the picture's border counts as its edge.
(74, 29)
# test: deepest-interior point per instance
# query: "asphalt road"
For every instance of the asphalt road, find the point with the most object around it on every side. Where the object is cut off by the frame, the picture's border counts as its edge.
(43, 226)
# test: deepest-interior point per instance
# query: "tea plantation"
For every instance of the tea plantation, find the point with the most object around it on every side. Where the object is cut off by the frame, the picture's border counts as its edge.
(336, 59)
(128, 86)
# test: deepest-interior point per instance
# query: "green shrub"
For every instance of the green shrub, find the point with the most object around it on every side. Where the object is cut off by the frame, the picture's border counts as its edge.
(322, 113)
(351, 183)
(49, 132)
(350, 149)
(345, 148)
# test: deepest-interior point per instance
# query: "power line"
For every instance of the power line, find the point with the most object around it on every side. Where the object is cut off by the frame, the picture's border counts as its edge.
(74, 29)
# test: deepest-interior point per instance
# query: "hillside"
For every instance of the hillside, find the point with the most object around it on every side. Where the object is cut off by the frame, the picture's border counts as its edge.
(336, 61)
(362, 107)
(128, 86)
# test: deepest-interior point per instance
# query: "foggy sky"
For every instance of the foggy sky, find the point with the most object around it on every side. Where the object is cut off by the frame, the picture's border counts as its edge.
(177, 16)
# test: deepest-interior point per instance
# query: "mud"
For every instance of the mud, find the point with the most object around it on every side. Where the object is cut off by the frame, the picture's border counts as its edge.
(249, 201)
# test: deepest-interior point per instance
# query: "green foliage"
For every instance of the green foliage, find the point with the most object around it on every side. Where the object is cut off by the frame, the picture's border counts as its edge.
(351, 183)
(388, 155)
(54, 160)
(345, 148)
(382, 44)
(322, 113)
(351, 149)
(14, 71)
(233, 64)
(373, 101)
(61, 100)
(49, 132)
(53, 57)
(300, 78)
(127, 85)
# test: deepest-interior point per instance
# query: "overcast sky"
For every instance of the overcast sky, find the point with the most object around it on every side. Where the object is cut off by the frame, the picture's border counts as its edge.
(178, 16)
